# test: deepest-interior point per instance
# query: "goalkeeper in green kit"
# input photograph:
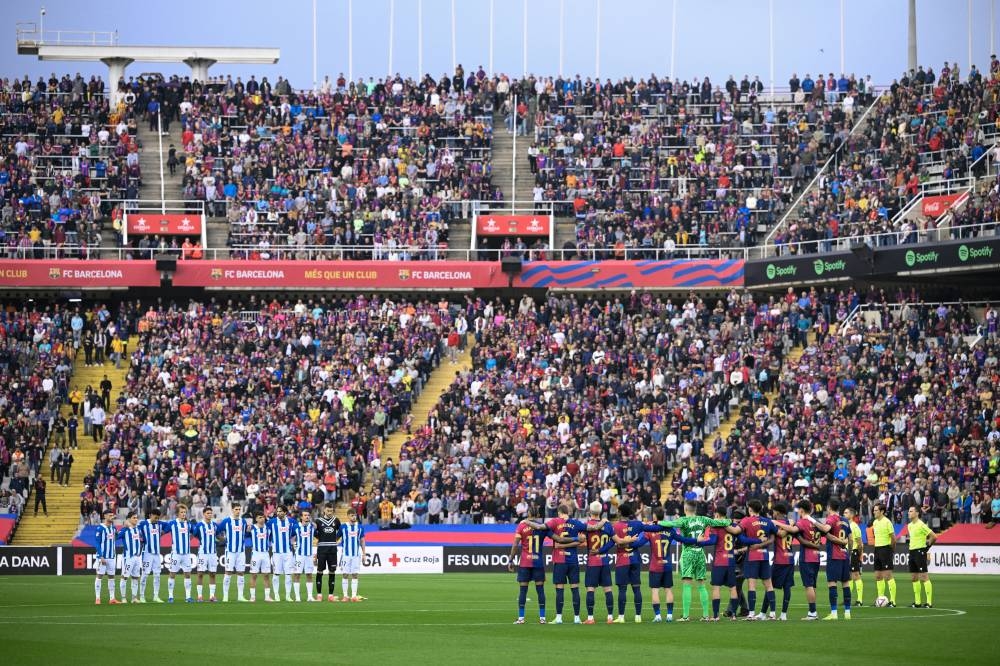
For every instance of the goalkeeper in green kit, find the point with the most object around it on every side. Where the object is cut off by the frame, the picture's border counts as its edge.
(692, 526)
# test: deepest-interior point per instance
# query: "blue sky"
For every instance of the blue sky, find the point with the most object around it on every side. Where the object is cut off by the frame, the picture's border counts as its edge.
(714, 38)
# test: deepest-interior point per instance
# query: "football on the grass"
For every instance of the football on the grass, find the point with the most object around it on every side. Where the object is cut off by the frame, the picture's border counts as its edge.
(882, 602)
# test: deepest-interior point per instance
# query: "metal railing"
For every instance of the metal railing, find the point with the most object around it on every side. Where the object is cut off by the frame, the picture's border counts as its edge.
(30, 34)
(849, 325)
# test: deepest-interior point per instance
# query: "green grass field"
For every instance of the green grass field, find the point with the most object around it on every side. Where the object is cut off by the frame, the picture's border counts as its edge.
(464, 618)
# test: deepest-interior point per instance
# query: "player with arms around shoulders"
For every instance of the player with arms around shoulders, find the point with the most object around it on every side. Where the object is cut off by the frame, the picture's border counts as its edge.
(921, 540)
(808, 536)
(630, 535)
(838, 542)
(661, 568)
(692, 526)
(237, 532)
(600, 540)
(151, 530)
(758, 562)
(131, 557)
(305, 555)
(208, 556)
(352, 548)
(530, 563)
(856, 549)
(260, 557)
(181, 558)
(783, 570)
(884, 533)
(106, 555)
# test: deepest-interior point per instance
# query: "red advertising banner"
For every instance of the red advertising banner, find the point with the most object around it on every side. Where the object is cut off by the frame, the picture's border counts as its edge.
(340, 274)
(72, 273)
(165, 224)
(937, 206)
(513, 225)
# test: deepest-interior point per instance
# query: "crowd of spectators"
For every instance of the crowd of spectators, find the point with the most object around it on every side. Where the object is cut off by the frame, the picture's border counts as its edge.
(65, 157)
(928, 129)
(579, 399)
(652, 165)
(895, 407)
(262, 402)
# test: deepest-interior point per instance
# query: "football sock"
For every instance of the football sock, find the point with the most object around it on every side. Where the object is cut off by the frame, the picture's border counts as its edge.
(319, 582)
(752, 601)
(142, 583)
(345, 585)
(880, 588)
(522, 597)
(622, 594)
(575, 592)
(812, 607)
(170, 588)
(330, 585)
(135, 588)
(916, 592)
(686, 601)
(833, 599)
(97, 588)
(560, 599)
(211, 590)
(288, 587)
(670, 608)
(609, 601)
(733, 605)
(715, 607)
(590, 603)
(765, 605)
(111, 587)
(240, 584)
(929, 592)
(847, 598)
(187, 588)
(354, 587)
(786, 598)
(892, 590)
(156, 584)
(637, 599)
(703, 599)
(297, 590)
(540, 591)
(201, 590)
(225, 587)
(859, 587)
(656, 609)
(276, 587)
(771, 601)
(123, 587)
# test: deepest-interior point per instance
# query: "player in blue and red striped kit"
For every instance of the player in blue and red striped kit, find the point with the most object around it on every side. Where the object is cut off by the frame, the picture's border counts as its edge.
(530, 563)
(661, 568)
(628, 563)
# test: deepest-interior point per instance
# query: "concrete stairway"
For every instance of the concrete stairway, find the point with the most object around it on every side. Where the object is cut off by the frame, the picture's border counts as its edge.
(149, 163)
(459, 240)
(63, 521)
(439, 382)
(503, 157)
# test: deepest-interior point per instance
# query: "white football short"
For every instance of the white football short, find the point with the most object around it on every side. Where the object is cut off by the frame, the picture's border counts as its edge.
(180, 563)
(132, 567)
(305, 564)
(105, 566)
(151, 563)
(283, 563)
(235, 562)
(260, 563)
(208, 563)
(350, 565)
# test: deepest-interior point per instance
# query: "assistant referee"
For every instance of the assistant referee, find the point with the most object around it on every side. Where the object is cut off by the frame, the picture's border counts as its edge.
(885, 541)
(327, 536)
(921, 539)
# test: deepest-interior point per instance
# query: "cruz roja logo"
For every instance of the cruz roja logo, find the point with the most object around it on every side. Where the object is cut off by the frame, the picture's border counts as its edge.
(773, 271)
(965, 252)
(914, 258)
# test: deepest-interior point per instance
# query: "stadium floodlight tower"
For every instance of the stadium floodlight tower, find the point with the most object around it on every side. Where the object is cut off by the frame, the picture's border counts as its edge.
(911, 38)
(103, 46)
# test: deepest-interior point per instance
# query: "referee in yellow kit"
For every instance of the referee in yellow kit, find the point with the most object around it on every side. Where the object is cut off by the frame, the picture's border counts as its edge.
(885, 542)
(921, 539)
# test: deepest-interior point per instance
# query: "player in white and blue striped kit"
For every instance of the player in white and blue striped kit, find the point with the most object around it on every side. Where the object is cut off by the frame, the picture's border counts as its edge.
(305, 555)
(106, 537)
(208, 556)
(260, 560)
(151, 530)
(180, 552)
(237, 534)
(282, 531)
(131, 557)
(352, 553)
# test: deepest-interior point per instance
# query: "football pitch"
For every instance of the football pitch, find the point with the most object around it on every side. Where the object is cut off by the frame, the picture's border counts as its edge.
(466, 618)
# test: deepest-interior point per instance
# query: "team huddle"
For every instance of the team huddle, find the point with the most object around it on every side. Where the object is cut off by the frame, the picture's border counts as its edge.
(280, 546)
(753, 537)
